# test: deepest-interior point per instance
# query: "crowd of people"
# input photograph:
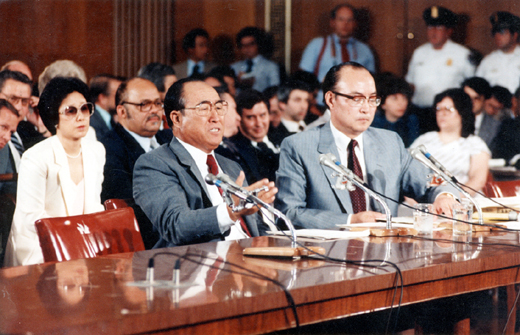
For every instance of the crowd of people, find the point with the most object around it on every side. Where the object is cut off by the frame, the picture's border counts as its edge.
(153, 138)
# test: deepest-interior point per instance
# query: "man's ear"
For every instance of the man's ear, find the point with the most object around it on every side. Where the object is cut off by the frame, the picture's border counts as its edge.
(122, 112)
(176, 117)
(329, 99)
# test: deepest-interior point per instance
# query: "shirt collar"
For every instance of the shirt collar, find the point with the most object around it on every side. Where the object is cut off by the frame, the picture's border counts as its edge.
(144, 142)
(293, 126)
(104, 115)
(199, 156)
(267, 142)
(191, 65)
(342, 140)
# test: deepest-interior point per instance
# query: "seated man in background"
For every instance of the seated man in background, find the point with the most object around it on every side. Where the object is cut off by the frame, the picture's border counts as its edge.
(195, 45)
(169, 183)
(498, 105)
(9, 119)
(293, 102)
(259, 156)
(161, 75)
(307, 194)
(479, 90)
(103, 89)
(140, 110)
(506, 144)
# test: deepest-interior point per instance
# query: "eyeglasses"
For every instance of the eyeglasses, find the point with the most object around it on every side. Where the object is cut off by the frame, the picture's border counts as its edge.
(146, 105)
(71, 112)
(204, 108)
(448, 110)
(359, 100)
(14, 100)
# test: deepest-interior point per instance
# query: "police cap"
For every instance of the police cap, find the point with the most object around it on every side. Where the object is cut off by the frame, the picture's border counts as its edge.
(440, 16)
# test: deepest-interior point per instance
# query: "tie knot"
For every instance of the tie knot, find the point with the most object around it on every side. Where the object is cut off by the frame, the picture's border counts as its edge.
(353, 144)
(212, 165)
(343, 43)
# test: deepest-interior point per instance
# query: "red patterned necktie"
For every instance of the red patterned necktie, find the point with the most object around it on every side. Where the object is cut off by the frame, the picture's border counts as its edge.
(345, 57)
(357, 196)
(213, 169)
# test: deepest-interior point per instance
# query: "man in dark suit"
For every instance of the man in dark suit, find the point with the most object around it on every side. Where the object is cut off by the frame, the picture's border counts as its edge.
(103, 89)
(307, 193)
(195, 45)
(140, 110)
(169, 181)
(9, 119)
(293, 102)
(259, 157)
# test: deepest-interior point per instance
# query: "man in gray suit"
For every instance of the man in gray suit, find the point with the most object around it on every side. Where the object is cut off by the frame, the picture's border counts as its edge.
(169, 181)
(306, 194)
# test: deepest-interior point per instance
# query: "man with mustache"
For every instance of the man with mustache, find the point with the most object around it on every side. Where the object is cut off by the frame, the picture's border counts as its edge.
(140, 109)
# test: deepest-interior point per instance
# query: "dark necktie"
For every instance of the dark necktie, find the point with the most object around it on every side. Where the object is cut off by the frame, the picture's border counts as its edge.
(357, 196)
(213, 169)
(262, 147)
(196, 70)
(17, 144)
(345, 57)
(249, 64)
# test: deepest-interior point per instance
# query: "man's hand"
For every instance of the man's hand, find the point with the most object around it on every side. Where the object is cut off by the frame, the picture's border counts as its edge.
(367, 216)
(443, 204)
(266, 196)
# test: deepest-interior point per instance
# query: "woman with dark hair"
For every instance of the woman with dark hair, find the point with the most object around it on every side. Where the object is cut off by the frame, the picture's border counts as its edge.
(393, 113)
(453, 144)
(60, 176)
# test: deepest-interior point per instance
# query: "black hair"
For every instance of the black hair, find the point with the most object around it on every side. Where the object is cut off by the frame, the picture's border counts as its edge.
(255, 32)
(14, 75)
(332, 76)
(248, 98)
(270, 92)
(502, 95)
(53, 95)
(188, 42)
(284, 91)
(100, 85)
(389, 84)
(174, 100)
(155, 72)
(307, 77)
(464, 106)
(479, 85)
(6, 104)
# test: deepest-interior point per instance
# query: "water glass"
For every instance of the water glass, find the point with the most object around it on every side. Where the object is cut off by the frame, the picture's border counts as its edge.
(423, 218)
(462, 215)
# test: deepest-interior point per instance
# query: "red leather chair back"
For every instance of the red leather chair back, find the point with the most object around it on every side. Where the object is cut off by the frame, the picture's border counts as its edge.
(118, 203)
(90, 235)
(500, 189)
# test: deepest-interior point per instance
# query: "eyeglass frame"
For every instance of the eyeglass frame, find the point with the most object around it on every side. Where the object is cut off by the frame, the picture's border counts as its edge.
(11, 97)
(77, 110)
(212, 106)
(142, 104)
(451, 110)
(365, 99)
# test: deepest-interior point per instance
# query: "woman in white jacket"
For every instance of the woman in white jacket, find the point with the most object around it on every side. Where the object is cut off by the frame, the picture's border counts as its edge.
(60, 176)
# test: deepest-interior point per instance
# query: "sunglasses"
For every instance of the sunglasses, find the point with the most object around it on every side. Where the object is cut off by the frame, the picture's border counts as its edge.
(71, 112)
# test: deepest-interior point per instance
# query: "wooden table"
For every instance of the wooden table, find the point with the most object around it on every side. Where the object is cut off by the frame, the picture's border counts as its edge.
(93, 296)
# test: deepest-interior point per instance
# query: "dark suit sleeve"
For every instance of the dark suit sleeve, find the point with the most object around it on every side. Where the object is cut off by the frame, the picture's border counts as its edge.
(173, 200)
(117, 182)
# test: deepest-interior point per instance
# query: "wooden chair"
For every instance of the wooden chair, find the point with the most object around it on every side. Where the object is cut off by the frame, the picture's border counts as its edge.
(90, 235)
(500, 189)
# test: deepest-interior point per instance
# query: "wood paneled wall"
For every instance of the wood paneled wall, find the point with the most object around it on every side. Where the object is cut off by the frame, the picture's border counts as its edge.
(85, 31)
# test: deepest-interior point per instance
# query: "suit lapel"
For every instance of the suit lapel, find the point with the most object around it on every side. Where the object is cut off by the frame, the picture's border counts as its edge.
(186, 160)
(61, 161)
(325, 146)
(371, 151)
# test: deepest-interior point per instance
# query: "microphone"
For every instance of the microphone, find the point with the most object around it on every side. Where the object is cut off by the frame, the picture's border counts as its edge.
(227, 185)
(435, 162)
(331, 161)
(418, 154)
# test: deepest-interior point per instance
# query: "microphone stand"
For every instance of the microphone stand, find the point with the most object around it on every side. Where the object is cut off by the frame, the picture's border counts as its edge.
(293, 251)
(420, 154)
(348, 175)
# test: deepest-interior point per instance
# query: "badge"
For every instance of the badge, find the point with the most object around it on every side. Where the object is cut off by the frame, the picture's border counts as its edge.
(449, 62)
